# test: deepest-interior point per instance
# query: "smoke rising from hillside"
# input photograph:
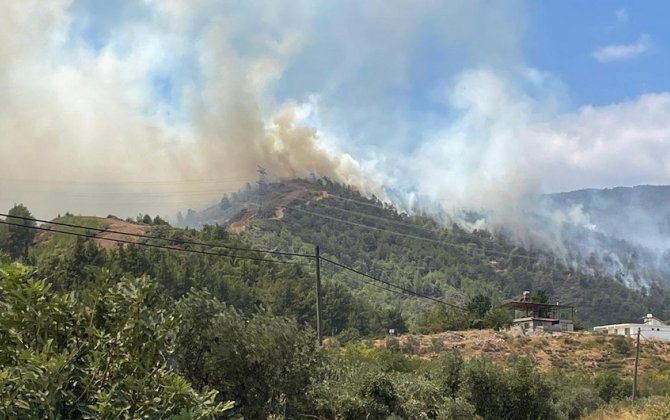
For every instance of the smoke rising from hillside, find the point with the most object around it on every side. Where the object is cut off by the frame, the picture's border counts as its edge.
(87, 131)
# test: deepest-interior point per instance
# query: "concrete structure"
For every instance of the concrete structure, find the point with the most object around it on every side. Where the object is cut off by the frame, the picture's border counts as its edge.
(650, 328)
(533, 316)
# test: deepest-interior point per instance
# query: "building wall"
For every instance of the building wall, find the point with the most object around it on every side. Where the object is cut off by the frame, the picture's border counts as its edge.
(528, 324)
(659, 332)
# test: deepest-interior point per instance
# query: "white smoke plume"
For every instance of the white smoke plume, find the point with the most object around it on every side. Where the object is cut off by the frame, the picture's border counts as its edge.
(176, 102)
(83, 130)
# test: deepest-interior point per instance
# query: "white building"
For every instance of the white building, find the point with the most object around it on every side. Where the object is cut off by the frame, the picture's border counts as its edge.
(651, 328)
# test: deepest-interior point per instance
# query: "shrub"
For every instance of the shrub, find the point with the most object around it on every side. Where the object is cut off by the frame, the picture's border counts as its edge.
(102, 353)
(574, 402)
(612, 387)
(264, 363)
(436, 345)
(450, 366)
(355, 392)
(411, 345)
(456, 409)
(621, 345)
(349, 335)
(521, 392)
(392, 344)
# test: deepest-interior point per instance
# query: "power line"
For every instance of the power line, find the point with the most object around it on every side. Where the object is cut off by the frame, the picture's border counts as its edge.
(384, 219)
(193, 251)
(420, 238)
(380, 286)
(339, 197)
(176, 241)
(392, 285)
(176, 182)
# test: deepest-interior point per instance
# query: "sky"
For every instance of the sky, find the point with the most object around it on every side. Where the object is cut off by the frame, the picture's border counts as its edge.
(152, 106)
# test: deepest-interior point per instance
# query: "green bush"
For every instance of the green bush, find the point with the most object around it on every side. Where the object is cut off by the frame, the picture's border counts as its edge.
(449, 373)
(392, 344)
(574, 402)
(264, 363)
(411, 345)
(621, 345)
(436, 345)
(102, 353)
(611, 386)
(521, 392)
(456, 409)
(349, 335)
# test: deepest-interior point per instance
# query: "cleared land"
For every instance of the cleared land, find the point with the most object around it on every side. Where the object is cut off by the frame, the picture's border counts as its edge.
(584, 352)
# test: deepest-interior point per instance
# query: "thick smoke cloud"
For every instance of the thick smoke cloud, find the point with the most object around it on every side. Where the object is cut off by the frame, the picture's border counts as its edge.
(87, 130)
(157, 106)
(504, 148)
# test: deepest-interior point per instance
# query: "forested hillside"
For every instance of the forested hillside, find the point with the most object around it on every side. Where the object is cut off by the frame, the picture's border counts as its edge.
(197, 324)
(414, 251)
(625, 229)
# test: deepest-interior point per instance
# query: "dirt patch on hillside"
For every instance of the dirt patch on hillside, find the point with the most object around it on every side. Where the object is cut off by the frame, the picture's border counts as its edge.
(240, 221)
(107, 240)
(104, 239)
(279, 214)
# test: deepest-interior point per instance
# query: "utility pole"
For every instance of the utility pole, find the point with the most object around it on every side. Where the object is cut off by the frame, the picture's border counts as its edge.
(637, 361)
(319, 333)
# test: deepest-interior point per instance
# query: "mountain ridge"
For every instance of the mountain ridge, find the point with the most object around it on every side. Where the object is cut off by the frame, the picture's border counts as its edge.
(450, 262)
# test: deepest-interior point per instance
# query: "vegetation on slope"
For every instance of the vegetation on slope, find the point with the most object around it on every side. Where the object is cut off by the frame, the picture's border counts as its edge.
(450, 263)
(653, 408)
(243, 328)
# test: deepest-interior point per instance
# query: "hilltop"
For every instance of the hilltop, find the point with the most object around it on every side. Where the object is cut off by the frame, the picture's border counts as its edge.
(49, 245)
(417, 252)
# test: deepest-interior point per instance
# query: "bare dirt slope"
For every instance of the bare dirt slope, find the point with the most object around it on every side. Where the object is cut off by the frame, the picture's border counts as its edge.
(102, 238)
(277, 199)
(125, 230)
(583, 351)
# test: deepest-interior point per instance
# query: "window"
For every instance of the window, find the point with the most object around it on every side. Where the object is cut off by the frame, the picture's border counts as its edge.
(627, 331)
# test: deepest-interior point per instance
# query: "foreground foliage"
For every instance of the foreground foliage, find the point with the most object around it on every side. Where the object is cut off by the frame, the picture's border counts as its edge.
(140, 332)
(121, 347)
(101, 353)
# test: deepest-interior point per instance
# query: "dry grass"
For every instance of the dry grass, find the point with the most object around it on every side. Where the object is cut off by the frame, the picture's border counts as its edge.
(119, 226)
(654, 408)
(576, 351)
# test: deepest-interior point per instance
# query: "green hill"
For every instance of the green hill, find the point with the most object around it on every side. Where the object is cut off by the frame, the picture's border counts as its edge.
(417, 253)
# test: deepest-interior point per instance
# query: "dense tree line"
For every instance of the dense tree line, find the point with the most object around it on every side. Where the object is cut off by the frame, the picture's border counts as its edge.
(121, 348)
(453, 263)
(142, 332)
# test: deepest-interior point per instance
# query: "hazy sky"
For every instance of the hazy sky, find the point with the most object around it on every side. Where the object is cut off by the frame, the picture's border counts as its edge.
(158, 105)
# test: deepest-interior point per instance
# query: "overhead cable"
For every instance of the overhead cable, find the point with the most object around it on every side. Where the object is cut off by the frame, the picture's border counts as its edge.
(392, 285)
(175, 241)
(193, 251)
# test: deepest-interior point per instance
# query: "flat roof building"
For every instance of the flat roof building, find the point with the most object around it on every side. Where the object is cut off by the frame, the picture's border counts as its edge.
(534, 316)
(650, 328)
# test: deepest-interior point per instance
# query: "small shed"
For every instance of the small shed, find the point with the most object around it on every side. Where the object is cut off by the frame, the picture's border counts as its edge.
(534, 316)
